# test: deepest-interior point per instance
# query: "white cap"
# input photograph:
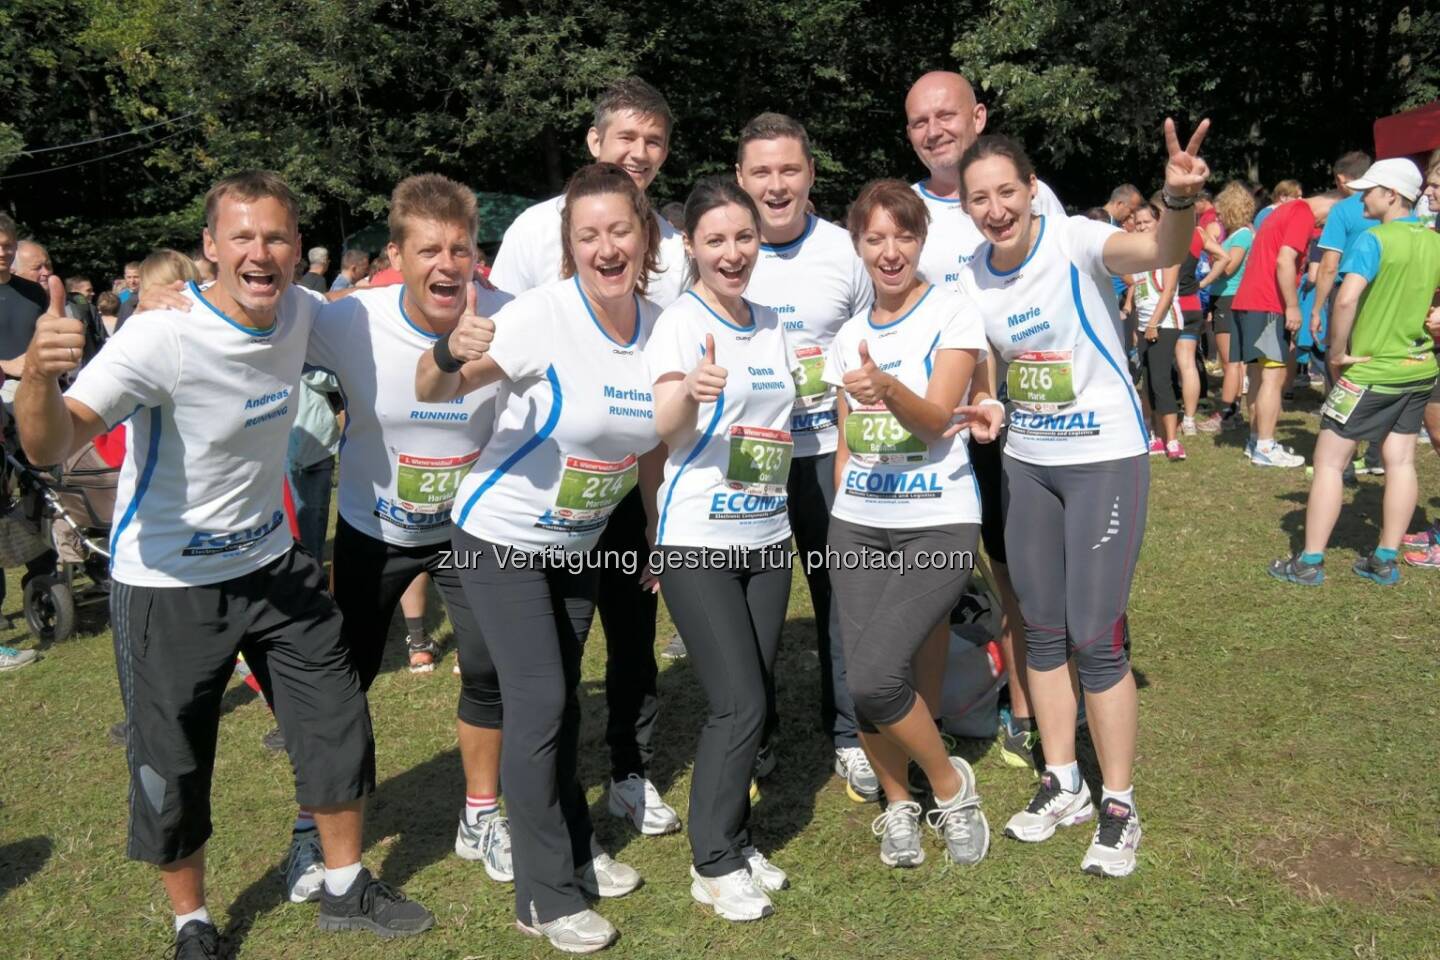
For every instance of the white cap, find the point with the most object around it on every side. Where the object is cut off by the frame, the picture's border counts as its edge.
(1399, 174)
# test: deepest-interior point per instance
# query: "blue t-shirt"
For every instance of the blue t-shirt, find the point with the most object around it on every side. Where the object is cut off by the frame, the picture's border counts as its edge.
(1347, 221)
(1362, 256)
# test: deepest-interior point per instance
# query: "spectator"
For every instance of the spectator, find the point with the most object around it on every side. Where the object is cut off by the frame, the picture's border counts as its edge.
(354, 270)
(131, 281)
(32, 261)
(1120, 208)
(674, 214)
(204, 266)
(1267, 312)
(1097, 213)
(314, 278)
(162, 268)
(108, 305)
(1207, 218)
(1284, 190)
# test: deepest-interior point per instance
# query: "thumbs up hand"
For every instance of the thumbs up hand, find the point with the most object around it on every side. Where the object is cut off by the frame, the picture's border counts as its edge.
(868, 383)
(706, 382)
(473, 334)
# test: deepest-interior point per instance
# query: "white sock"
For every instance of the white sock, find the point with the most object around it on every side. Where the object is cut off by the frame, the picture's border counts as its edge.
(1126, 796)
(183, 918)
(340, 880)
(1266, 445)
(1067, 773)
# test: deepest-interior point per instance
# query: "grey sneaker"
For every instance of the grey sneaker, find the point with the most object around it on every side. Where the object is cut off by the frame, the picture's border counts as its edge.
(12, 659)
(899, 831)
(1295, 570)
(960, 821)
(489, 843)
(304, 867)
(861, 784)
(583, 932)
(674, 650)
(604, 876)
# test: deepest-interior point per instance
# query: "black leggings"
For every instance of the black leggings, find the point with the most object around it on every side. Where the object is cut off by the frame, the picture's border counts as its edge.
(730, 617)
(534, 620)
(1162, 381)
(628, 615)
(370, 576)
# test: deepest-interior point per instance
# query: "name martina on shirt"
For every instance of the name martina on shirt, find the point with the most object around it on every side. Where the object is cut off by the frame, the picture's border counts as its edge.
(660, 559)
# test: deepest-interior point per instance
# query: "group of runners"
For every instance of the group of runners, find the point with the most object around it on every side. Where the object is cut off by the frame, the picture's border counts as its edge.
(696, 397)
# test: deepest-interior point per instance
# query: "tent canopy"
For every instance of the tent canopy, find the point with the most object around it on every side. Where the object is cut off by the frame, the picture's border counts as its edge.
(497, 212)
(1405, 134)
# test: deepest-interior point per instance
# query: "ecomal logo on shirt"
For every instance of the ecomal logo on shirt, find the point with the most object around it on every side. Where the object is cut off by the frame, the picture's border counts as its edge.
(205, 543)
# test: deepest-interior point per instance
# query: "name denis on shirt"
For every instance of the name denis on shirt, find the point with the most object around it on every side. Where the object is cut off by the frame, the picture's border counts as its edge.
(205, 543)
(647, 412)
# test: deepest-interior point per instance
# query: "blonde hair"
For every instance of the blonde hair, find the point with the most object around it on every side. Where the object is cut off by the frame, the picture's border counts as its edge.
(1236, 205)
(1286, 190)
(1432, 166)
(165, 266)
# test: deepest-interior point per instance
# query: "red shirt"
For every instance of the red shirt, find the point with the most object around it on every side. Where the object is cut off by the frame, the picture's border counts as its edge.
(1289, 225)
(387, 277)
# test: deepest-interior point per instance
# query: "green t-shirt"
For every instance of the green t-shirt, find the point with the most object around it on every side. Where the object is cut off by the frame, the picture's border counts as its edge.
(1241, 240)
(1401, 260)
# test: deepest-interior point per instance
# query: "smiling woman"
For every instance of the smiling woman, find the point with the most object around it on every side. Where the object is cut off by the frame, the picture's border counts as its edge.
(573, 435)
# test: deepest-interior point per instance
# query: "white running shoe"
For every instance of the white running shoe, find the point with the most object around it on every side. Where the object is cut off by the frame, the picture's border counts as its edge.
(766, 875)
(1050, 808)
(604, 876)
(583, 932)
(304, 867)
(636, 798)
(1117, 839)
(1276, 456)
(960, 822)
(735, 896)
(899, 831)
(488, 842)
(861, 784)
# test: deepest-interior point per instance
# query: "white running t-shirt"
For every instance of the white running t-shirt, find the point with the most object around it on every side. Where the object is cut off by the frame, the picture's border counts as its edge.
(1055, 322)
(725, 486)
(1146, 297)
(201, 492)
(530, 254)
(815, 283)
(576, 413)
(401, 460)
(953, 238)
(893, 479)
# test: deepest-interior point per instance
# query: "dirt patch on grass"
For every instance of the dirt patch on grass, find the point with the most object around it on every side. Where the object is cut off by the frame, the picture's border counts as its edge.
(1342, 868)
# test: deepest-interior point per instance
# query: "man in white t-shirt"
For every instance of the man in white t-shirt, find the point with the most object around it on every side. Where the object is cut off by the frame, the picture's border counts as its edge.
(203, 562)
(942, 120)
(632, 129)
(809, 274)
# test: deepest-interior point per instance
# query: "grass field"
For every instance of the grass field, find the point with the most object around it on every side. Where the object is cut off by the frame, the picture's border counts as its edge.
(1287, 777)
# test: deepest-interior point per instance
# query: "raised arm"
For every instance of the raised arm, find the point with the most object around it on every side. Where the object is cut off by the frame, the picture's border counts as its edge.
(678, 396)
(926, 417)
(460, 361)
(52, 427)
(1185, 175)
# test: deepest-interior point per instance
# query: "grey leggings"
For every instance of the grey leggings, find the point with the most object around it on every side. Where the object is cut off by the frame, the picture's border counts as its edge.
(1072, 534)
(889, 605)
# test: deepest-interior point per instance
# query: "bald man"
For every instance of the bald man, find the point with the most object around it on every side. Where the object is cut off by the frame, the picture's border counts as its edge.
(942, 119)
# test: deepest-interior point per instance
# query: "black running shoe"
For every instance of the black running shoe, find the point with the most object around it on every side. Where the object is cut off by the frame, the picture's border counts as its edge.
(197, 940)
(374, 906)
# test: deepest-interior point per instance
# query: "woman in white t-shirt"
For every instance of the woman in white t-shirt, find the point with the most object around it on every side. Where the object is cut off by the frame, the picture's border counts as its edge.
(574, 430)
(724, 389)
(1158, 323)
(1076, 465)
(906, 518)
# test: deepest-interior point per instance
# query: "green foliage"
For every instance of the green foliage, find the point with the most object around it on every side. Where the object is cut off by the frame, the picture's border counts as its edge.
(346, 98)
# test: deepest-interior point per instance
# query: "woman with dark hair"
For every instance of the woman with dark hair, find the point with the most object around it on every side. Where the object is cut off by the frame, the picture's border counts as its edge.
(1076, 465)
(535, 503)
(1158, 323)
(724, 388)
(723, 393)
(906, 490)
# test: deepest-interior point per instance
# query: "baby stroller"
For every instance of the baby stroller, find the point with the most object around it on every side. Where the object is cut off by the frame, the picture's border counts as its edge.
(66, 509)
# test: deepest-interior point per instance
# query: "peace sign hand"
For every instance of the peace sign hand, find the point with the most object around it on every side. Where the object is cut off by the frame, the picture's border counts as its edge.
(1185, 171)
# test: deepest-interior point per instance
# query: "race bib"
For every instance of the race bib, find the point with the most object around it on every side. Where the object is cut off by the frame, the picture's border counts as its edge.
(590, 489)
(1042, 381)
(759, 460)
(810, 386)
(1340, 404)
(428, 484)
(873, 436)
